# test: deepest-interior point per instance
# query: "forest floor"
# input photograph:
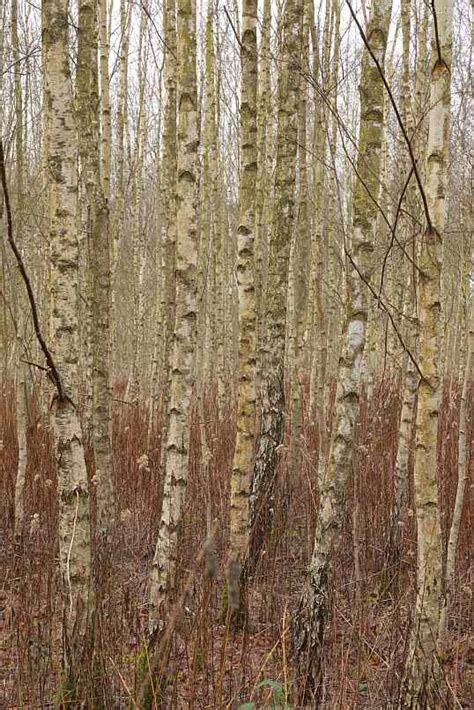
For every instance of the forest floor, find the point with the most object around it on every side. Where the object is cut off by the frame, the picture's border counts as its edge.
(210, 666)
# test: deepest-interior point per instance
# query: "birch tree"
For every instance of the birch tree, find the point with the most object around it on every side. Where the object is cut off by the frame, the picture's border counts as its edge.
(213, 243)
(414, 119)
(135, 382)
(410, 375)
(121, 150)
(21, 376)
(273, 400)
(163, 572)
(423, 682)
(89, 141)
(309, 626)
(209, 240)
(316, 313)
(4, 322)
(453, 539)
(169, 168)
(297, 287)
(246, 414)
(106, 129)
(262, 207)
(320, 308)
(61, 169)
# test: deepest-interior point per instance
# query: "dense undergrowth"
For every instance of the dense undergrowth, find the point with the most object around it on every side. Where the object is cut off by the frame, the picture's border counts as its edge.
(211, 666)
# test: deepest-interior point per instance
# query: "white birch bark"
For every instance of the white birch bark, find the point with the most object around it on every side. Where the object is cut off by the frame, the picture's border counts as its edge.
(169, 169)
(461, 486)
(61, 156)
(21, 374)
(163, 572)
(264, 161)
(423, 673)
(88, 122)
(135, 382)
(106, 129)
(246, 414)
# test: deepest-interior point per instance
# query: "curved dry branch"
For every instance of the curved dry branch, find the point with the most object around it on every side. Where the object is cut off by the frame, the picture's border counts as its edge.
(53, 372)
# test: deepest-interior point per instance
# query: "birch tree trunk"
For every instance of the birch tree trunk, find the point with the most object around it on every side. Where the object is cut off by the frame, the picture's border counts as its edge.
(88, 122)
(135, 382)
(169, 168)
(322, 314)
(106, 129)
(310, 623)
(61, 157)
(121, 144)
(297, 288)
(317, 316)
(271, 428)
(21, 421)
(246, 415)
(159, 274)
(264, 138)
(4, 317)
(2, 63)
(209, 241)
(21, 374)
(209, 247)
(163, 572)
(413, 117)
(461, 485)
(423, 673)
(410, 375)
(211, 154)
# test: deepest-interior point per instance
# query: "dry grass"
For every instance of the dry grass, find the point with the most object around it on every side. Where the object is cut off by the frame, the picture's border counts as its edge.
(209, 666)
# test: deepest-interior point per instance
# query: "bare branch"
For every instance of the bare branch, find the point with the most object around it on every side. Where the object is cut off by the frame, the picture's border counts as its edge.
(35, 364)
(387, 311)
(233, 27)
(440, 59)
(53, 370)
(394, 229)
(398, 116)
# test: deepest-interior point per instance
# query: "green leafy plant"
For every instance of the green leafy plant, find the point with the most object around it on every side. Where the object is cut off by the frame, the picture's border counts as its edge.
(278, 700)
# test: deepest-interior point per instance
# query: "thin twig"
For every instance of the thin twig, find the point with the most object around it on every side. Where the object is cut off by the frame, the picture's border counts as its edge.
(387, 311)
(53, 371)
(343, 129)
(398, 116)
(436, 31)
(394, 230)
(122, 680)
(233, 27)
(34, 364)
(124, 401)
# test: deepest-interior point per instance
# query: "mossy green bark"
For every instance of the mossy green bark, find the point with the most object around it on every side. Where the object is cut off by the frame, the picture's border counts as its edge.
(275, 308)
